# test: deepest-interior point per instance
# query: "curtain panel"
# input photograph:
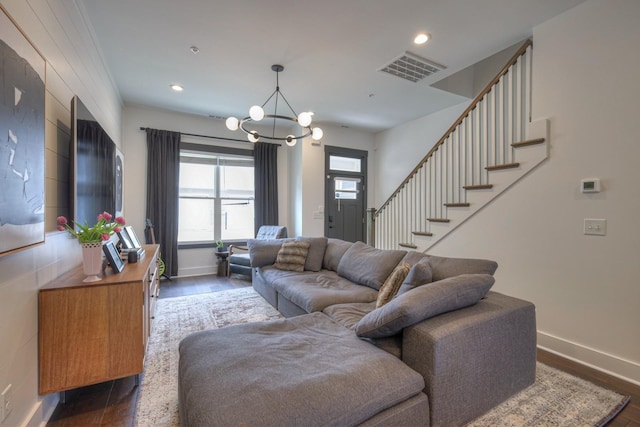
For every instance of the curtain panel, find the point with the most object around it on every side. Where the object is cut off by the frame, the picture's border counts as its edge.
(163, 181)
(266, 184)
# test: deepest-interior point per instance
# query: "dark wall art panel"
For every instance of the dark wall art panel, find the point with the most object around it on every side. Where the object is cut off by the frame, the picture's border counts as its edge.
(22, 86)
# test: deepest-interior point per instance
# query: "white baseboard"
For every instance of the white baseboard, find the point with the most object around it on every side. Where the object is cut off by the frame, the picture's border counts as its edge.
(197, 271)
(42, 411)
(609, 364)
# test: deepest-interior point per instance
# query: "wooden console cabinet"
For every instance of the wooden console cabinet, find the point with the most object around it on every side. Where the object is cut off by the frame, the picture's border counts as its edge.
(94, 332)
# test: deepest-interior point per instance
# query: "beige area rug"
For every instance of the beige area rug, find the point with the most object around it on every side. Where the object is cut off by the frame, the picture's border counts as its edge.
(556, 399)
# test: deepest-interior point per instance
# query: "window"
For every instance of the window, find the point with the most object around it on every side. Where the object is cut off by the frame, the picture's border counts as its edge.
(216, 197)
(346, 164)
(346, 188)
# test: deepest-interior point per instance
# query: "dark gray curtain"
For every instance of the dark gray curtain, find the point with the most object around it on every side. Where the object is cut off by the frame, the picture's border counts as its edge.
(163, 180)
(266, 184)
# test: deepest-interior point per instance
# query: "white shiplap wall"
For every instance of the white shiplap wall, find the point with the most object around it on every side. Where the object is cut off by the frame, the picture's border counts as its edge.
(73, 67)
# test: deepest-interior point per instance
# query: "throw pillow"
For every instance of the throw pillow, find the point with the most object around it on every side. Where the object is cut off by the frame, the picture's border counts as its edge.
(334, 253)
(420, 274)
(317, 246)
(263, 252)
(444, 267)
(292, 255)
(368, 266)
(390, 286)
(423, 303)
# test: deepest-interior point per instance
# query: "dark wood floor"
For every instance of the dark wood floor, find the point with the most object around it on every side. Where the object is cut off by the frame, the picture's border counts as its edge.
(114, 403)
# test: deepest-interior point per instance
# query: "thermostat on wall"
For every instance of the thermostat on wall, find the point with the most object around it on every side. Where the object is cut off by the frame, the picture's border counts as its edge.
(590, 185)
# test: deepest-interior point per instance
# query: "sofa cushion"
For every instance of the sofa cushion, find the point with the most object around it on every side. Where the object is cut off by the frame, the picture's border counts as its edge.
(314, 291)
(263, 252)
(242, 259)
(368, 266)
(292, 255)
(290, 372)
(334, 252)
(420, 274)
(414, 257)
(348, 315)
(444, 267)
(317, 247)
(390, 287)
(424, 302)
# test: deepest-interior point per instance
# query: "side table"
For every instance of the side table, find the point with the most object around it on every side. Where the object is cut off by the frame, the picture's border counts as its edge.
(223, 263)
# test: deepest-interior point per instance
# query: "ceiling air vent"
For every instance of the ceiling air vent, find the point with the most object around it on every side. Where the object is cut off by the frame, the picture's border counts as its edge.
(411, 67)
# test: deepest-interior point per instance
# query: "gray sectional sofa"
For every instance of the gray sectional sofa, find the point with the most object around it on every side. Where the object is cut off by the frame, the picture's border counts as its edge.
(441, 352)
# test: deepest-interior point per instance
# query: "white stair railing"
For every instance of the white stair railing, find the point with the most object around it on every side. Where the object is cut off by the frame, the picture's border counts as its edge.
(461, 161)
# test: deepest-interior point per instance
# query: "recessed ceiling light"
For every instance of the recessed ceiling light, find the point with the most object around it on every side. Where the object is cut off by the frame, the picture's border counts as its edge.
(176, 87)
(194, 49)
(422, 38)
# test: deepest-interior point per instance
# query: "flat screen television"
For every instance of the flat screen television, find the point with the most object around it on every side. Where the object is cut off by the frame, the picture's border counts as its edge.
(93, 166)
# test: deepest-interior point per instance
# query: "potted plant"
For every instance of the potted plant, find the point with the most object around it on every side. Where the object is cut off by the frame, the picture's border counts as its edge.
(220, 245)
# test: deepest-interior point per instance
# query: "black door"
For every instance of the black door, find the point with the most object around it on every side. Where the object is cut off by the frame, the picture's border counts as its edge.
(345, 198)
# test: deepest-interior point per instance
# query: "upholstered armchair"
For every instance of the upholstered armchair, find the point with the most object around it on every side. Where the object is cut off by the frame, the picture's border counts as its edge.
(239, 261)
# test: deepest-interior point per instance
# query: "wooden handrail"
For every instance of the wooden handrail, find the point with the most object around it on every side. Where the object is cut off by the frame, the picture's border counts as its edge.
(471, 107)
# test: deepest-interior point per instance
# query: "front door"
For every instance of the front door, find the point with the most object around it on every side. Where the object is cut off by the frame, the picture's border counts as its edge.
(345, 197)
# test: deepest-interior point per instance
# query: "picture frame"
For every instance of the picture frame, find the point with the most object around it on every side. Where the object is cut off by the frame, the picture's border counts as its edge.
(123, 235)
(128, 238)
(113, 257)
(22, 122)
(132, 236)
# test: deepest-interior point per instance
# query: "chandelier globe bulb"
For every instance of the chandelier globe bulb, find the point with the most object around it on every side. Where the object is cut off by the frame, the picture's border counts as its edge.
(253, 136)
(316, 134)
(232, 123)
(304, 119)
(291, 140)
(256, 113)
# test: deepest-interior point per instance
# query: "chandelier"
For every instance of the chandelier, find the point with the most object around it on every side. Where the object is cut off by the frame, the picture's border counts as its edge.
(257, 114)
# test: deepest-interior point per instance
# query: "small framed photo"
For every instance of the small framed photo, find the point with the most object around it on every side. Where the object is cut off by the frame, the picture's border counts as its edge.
(125, 239)
(113, 257)
(128, 238)
(132, 236)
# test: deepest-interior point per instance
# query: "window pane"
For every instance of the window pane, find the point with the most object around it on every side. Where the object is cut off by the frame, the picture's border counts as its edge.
(346, 195)
(347, 184)
(213, 209)
(196, 220)
(236, 182)
(348, 164)
(197, 180)
(237, 219)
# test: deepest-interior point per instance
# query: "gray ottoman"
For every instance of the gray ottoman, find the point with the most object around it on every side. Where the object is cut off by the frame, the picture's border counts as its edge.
(303, 371)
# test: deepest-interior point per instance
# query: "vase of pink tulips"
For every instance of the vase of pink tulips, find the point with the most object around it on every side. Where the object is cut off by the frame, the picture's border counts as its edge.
(91, 238)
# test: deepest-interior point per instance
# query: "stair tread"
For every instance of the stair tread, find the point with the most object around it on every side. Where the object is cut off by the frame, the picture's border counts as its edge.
(407, 245)
(502, 166)
(438, 219)
(422, 233)
(478, 187)
(528, 142)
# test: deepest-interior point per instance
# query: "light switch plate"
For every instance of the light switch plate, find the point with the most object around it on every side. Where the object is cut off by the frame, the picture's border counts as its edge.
(595, 227)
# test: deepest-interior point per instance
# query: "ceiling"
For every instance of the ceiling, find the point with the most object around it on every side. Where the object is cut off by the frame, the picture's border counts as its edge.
(331, 51)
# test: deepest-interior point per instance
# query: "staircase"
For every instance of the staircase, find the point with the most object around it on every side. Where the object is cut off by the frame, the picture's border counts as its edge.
(491, 146)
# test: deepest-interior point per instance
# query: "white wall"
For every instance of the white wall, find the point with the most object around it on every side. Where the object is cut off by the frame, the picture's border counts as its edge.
(72, 67)
(398, 150)
(585, 288)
